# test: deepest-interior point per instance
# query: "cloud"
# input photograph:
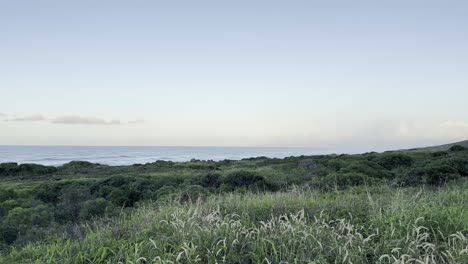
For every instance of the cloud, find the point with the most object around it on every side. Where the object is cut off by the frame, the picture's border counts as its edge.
(70, 120)
(28, 118)
(79, 120)
(456, 124)
(137, 121)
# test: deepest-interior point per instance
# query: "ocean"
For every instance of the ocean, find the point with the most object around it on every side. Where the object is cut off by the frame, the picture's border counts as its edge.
(112, 155)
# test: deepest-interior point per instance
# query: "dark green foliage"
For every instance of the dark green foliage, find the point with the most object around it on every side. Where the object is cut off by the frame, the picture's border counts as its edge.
(165, 192)
(48, 192)
(76, 164)
(24, 218)
(461, 165)
(457, 148)
(394, 160)
(9, 169)
(25, 222)
(8, 234)
(7, 195)
(367, 168)
(70, 202)
(341, 181)
(242, 178)
(439, 172)
(413, 177)
(34, 169)
(94, 208)
(247, 179)
(48, 198)
(83, 167)
(440, 154)
(434, 173)
(211, 180)
(192, 194)
(13, 169)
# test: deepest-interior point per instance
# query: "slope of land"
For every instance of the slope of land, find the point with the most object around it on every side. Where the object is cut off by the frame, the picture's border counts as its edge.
(444, 147)
(393, 207)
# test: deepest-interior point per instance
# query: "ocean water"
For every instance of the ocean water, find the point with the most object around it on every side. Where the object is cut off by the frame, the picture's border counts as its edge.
(58, 155)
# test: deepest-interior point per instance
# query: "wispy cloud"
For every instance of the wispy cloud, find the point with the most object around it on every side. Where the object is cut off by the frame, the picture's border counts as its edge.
(456, 124)
(29, 118)
(70, 120)
(80, 120)
(137, 121)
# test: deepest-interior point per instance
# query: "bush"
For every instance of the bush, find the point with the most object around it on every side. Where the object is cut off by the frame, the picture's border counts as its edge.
(84, 167)
(456, 148)
(247, 179)
(94, 208)
(9, 169)
(76, 164)
(24, 218)
(35, 169)
(193, 193)
(7, 195)
(434, 173)
(165, 192)
(211, 180)
(440, 154)
(342, 180)
(368, 168)
(440, 172)
(8, 234)
(413, 177)
(49, 192)
(69, 207)
(13, 169)
(395, 160)
(461, 165)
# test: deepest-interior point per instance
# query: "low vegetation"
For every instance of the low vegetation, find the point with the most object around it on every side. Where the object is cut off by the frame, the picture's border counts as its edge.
(392, 207)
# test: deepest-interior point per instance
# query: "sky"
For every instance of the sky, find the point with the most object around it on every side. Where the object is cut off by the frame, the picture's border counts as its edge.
(352, 74)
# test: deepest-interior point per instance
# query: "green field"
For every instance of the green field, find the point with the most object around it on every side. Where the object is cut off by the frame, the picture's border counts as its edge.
(392, 207)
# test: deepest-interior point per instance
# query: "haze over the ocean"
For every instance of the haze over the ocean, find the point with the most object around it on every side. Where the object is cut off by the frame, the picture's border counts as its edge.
(368, 75)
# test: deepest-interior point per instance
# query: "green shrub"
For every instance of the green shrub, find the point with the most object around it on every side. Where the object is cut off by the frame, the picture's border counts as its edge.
(94, 208)
(9, 169)
(48, 192)
(13, 169)
(7, 195)
(436, 172)
(8, 234)
(440, 154)
(455, 148)
(192, 194)
(342, 180)
(24, 218)
(440, 172)
(211, 180)
(247, 179)
(165, 192)
(76, 164)
(395, 160)
(461, 165)
(70, 201)
(368, 168)
(35, 169)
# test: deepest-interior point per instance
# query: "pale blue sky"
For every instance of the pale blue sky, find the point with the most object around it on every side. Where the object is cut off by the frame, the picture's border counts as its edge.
(360, 74)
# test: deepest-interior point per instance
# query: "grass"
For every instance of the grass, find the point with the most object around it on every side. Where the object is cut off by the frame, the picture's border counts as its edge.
(376, 224)
(392, 207)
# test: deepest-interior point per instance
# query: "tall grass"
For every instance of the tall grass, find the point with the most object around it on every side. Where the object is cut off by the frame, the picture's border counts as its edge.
(358, 225)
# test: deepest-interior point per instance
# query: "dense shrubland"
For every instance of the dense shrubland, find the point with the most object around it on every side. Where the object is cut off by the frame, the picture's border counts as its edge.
(392, 206)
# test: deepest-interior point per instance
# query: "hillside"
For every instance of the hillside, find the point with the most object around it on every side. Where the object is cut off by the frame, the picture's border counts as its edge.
(307, 209)
(441, 147)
